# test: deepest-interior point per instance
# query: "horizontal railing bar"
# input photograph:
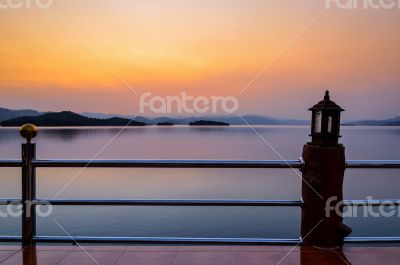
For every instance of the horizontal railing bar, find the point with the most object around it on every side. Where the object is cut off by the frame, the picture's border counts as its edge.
(171, 202)
(371, 202)
(10, 201)
(171, 163)
(166, 240)
(196, 163)
(172, 240)
(10, 239)
(289, 203)
(395, 239)
(10, 163)
(373, 164)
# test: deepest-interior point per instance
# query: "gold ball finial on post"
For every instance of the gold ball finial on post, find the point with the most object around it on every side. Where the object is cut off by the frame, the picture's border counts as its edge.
(28, 131)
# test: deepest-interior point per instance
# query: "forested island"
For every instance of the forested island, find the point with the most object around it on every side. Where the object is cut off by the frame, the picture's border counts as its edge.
(208, 123)
(165, 124)
(68, 118)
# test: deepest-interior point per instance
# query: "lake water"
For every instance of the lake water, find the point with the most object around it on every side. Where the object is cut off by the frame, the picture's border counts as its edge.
(183, 142)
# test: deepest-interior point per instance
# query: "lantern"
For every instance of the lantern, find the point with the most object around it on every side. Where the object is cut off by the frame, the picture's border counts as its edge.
(325, 127)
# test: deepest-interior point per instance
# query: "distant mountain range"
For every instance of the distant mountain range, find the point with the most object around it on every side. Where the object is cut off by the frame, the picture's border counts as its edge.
(389, 122)
(6, 114)
(232, 120)
(67, 118)
(116, 119)
(235, 120)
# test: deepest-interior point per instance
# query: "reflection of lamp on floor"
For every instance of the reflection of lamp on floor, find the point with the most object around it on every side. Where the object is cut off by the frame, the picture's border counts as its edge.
(325, 257)
(342, 256)
(29, 256)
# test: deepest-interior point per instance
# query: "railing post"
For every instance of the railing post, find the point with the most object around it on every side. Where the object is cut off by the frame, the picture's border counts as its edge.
(323, 175)
(28, 131)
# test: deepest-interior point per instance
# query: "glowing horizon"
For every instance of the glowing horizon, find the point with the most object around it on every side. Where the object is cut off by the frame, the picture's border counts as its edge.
(203, 48)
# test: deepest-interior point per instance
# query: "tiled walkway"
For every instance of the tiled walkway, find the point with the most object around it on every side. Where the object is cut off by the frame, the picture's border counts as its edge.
(196, 255)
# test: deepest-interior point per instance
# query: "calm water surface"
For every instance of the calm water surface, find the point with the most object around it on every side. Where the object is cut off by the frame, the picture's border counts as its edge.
(182, 142)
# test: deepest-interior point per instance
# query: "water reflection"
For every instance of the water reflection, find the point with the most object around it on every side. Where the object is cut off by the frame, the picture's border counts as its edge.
(234, 142)
(183, 142)
(69, 134)
(66, 134)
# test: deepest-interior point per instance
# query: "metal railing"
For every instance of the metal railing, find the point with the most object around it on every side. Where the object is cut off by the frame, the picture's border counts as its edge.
(29, 164)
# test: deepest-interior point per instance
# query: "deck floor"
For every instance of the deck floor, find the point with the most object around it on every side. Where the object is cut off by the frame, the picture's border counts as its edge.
(196, 255)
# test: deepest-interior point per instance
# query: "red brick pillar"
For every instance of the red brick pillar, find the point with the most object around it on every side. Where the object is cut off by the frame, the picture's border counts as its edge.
(323, 187)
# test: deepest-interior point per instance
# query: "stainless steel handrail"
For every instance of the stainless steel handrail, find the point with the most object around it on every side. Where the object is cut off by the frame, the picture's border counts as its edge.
(381, 239)
(166, 240)
(6, 201)
(10, 163)
(182, 202)
(177, 240)
(10, 239)
(379, 164)
(352, 164)
(280, 203)
(382, 164)
(171, 163)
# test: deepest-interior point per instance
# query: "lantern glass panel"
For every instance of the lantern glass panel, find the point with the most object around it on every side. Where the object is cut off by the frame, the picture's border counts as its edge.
(330, 120)
(318, 122)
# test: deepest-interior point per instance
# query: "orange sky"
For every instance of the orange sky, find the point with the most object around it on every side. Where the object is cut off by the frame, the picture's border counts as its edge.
(67, 57)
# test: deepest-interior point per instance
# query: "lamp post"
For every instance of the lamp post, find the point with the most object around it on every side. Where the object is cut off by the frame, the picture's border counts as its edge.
(323, 175)
(28, 131)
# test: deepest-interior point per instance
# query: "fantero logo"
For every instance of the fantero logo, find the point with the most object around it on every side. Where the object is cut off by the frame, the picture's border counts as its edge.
(14, 209)
(187, 104)
(367, 208)
(363, 4)
(25, 4)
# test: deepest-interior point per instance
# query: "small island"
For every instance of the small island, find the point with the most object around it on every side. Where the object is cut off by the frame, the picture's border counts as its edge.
(165, 124)
(67, 119)
(208, 123)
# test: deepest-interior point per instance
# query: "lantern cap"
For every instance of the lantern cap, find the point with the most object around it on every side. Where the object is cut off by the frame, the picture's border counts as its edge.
(327, 104)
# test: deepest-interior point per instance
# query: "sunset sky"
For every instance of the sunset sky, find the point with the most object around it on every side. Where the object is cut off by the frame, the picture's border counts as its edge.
(82, 55)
